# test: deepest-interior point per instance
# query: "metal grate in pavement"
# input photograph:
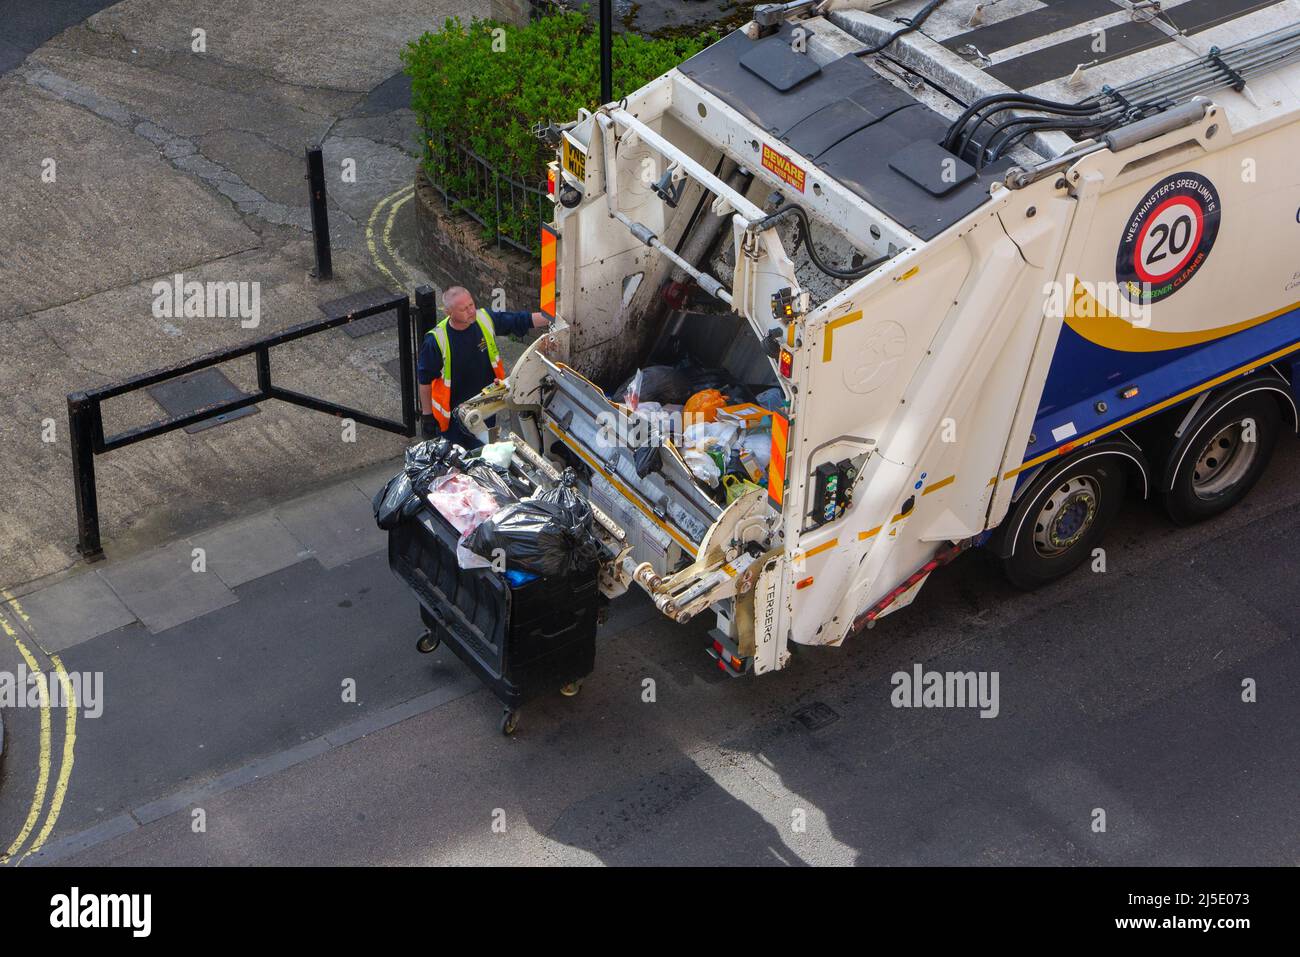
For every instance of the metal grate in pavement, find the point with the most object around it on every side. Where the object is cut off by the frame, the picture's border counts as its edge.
(187, 393)
(816, 715)
(360, 300)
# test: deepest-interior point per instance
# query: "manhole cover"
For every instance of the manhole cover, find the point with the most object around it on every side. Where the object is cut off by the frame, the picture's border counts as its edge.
(358, 301)
(816, 715)
(188, 393)
(394, 368)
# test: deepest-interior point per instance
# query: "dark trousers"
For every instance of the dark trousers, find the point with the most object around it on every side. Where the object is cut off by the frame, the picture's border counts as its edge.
(456, 433)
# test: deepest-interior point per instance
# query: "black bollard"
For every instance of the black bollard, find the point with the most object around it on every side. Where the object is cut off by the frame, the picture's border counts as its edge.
(320, 223)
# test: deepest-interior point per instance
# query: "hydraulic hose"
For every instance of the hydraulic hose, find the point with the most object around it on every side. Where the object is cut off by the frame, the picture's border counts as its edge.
(913, 24)
(1016, 130)
(1005, 101)
(806, 229)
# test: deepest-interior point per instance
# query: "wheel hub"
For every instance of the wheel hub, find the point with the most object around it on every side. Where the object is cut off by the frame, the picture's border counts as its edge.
(1066, 515)
(1223, 461)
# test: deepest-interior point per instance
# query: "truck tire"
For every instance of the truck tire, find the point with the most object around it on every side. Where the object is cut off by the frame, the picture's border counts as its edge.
(1061, 518)
(1223, 457)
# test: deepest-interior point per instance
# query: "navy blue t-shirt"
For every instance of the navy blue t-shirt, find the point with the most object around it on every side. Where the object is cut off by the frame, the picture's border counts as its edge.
(471, 370)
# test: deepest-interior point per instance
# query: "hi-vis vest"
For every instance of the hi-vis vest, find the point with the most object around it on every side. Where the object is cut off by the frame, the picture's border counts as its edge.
(440, 389)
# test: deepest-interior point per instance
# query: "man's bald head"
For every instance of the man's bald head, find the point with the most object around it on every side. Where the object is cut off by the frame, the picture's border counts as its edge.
(460, 307)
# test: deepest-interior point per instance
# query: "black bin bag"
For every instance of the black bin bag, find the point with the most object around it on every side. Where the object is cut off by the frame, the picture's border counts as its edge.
(428, 454)
(496, 482)
(395, 501)
(400, 498)
(566, 495)
(549, 534)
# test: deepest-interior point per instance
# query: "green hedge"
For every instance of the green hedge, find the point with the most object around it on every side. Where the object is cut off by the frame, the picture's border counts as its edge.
(483, 90)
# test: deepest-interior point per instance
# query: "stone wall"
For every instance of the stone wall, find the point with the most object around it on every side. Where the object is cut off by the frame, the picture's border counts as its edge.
(509, 11)
(453, 253)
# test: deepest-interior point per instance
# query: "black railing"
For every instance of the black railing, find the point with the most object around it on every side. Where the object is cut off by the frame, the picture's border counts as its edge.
(510, 209)
(86, 423)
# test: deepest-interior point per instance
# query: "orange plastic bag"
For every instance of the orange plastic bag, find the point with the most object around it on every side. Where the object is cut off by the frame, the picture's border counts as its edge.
(703, 406)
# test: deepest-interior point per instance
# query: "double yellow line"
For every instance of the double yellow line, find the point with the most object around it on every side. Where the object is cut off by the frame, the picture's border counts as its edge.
(46, 750)
(380, 241)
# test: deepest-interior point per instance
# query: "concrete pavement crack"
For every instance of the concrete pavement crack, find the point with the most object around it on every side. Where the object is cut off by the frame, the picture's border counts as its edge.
(149, 280)
(180, 151)
(62, 350)
(240, 68)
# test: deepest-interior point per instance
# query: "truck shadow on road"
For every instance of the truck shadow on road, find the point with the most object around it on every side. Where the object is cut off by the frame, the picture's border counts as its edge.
(1120, 736)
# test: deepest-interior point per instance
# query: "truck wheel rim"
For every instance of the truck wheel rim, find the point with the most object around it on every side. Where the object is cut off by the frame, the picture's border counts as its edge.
(1067, 513)
(1223, 462)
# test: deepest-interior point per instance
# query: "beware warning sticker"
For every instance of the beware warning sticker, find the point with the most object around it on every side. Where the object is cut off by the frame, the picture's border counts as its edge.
(782, 167)
(1168, 237)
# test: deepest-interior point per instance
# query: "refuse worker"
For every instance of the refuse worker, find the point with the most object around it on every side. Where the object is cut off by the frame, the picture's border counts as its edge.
(459, 358)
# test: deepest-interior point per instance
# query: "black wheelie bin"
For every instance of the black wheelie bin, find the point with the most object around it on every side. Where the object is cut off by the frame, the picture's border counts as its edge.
(522, 640)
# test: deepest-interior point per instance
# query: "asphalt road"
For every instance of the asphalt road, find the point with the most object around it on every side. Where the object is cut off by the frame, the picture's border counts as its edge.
(1119, 692)
(27, 25)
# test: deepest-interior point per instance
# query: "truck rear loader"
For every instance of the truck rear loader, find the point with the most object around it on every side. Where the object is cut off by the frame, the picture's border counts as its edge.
(1004, 268)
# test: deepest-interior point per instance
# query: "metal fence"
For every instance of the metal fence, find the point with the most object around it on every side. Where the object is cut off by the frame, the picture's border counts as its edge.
(86, 422)
(545, 8)
(510, 209)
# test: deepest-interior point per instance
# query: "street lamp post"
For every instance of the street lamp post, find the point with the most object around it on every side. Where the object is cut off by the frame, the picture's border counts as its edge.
(606, 51)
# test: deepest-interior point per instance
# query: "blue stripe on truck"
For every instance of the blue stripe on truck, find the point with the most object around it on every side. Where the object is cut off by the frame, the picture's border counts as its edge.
(1068, 409)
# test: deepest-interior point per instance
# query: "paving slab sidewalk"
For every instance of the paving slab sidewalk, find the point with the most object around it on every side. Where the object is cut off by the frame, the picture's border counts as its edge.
(171, 161)
(194, 576)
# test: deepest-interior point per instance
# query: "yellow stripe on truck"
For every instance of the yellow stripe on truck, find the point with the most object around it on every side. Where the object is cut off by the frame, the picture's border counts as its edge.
(935, 486)
(800, 555)
(830, 331)
(1152, 410)
(687, 545)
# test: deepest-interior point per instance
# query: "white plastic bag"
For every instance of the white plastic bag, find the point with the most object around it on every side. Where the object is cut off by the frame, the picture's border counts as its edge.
(706, 435)
(702, 466)
(759, 442)
(650, 418)
(498, 454)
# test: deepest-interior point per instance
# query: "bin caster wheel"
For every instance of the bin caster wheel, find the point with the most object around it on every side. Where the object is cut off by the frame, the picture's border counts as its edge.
(509, 722)
(428, 642)
(570, 689)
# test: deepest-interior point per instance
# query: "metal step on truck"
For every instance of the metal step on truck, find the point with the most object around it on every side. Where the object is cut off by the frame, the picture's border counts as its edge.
(1002, 263)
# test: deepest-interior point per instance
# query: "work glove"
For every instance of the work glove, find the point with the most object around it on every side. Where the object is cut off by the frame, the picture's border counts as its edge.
(428, 426)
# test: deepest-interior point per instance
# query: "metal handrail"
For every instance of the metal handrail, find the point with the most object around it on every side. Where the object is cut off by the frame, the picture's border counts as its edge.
(86, 421)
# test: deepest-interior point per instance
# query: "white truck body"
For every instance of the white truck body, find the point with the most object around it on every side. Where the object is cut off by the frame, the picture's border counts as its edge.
(986, 346)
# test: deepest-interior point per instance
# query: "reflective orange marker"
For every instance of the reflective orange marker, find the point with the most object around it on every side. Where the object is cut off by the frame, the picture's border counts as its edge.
(550, 244)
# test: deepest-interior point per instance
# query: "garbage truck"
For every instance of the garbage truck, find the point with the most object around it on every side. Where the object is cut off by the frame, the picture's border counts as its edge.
(962, 275)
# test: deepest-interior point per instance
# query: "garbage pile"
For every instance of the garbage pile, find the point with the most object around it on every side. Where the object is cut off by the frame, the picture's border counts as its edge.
(723, 429)
(548, 534)
(503, 523)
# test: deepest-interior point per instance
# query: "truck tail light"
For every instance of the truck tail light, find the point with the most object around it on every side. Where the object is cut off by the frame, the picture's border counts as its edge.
(728, 661)
(787, 363)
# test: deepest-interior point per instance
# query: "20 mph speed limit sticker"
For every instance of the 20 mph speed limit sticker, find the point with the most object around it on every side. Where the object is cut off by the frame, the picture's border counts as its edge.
(1168, 237)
